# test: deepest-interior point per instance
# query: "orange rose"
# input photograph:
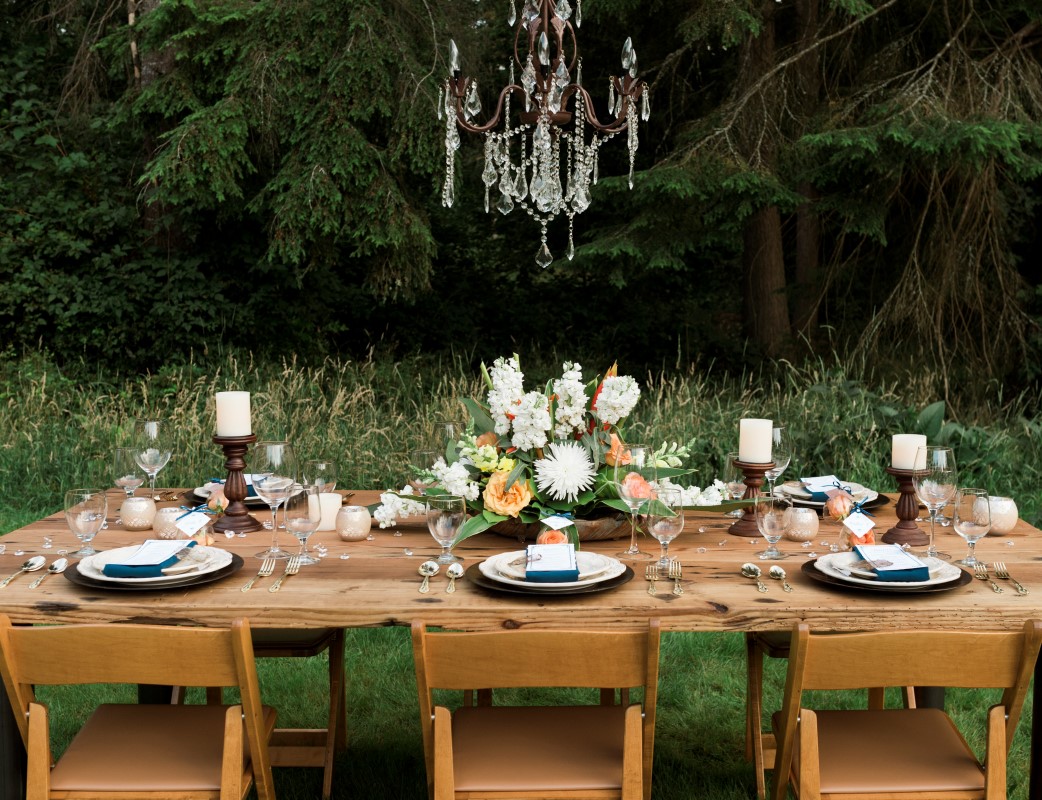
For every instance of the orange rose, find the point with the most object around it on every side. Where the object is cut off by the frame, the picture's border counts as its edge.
(635, 486)
(501, 500)
(617, 453)
(551, 536)
(217, 500)
(489, 438)
(839, 506)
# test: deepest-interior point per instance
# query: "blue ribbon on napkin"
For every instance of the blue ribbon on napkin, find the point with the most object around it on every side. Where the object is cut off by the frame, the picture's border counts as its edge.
(142, 570)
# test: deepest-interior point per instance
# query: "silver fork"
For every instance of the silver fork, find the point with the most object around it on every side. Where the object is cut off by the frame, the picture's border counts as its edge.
(292, 568)
(267, 567)
(676, 572)
(651, 575)
(1003, 575)
(980, 571)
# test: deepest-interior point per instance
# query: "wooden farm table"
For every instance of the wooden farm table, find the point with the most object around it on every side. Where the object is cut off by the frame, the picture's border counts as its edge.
(377, 586)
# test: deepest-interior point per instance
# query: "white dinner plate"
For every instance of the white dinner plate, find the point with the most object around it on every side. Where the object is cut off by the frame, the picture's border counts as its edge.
(795, 490)
(590, 571)
(211, 559)
(838, 565)
(204, 493)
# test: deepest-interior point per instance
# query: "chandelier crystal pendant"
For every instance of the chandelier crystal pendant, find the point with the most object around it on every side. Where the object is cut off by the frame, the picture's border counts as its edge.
(542, 161)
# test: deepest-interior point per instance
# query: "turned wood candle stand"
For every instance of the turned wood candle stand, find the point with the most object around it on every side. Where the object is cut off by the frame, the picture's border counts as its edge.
(906, 531)
(754, 476)
(236, 518)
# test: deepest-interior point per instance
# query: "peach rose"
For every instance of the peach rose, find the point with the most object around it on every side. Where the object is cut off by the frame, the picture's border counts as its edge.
(617, 453)
(501, 500)
(839, 506)
(217, 501)
(551, 536)
(635, 486)
(488, 438)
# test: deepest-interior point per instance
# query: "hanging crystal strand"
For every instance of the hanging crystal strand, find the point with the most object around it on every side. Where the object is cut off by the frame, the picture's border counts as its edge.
(596, 162)
(631, 123)
(452, 142)
(528, 82)
(512, 16)
(489, 176)
(571, 241)
(543, 258)
(579, 14)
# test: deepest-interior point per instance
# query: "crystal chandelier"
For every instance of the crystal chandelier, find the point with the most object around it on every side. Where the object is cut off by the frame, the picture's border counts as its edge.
(542, 160)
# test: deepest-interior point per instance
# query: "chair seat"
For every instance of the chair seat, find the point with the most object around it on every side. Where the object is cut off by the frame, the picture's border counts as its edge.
(894, 750)
(147, 747)
(533, 748)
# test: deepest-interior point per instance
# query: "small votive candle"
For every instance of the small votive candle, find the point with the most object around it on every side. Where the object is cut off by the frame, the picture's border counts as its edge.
(754, 440)
(233, 414)
(904, 451)
(1004, 514)
(137, 513)
(353, 523)
(803, 524)
(165, 523)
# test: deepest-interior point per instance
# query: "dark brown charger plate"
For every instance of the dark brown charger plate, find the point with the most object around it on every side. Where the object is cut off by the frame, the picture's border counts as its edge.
(816, 574)
(881, 500)
(191, 498)
(73, 574)
(475, 576)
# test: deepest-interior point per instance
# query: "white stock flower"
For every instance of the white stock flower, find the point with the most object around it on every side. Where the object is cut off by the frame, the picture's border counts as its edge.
(571, 401)
(565, 472)
(712, 495)
(507, 390)
(392, 507)
(531, 422)
(619, 394)
(455, 479)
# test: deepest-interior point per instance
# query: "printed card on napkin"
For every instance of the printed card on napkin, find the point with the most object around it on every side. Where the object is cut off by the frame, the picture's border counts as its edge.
(893, 563)
(551, 563)
(149, 560)
(820, 485)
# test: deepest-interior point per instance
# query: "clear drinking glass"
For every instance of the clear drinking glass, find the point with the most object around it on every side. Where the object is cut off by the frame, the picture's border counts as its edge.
(125, 468)
(303, 515)
(971, 519)
(152, 449)
(420, 463)
(935, 485)
(85, 511)
(734, 480)
(773, 518)
(274, 468)
(445, 514)
(666, 520)
(321, 473)
(634, 477)
(781, 455)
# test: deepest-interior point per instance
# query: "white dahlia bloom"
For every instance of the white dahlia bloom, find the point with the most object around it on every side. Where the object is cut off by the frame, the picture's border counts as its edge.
(565, 472)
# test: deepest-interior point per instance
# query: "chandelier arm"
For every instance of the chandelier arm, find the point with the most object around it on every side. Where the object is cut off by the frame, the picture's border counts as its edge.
(496, 117)
(616, 126)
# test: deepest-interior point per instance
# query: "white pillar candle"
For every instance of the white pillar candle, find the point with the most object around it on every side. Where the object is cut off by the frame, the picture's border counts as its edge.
(904, 451)
(754, 440)
(328, 504)
(233, 414)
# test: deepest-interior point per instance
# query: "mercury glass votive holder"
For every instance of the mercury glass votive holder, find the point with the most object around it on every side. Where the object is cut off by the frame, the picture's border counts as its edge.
(137, 513)
(1004, 515)
(353, 523)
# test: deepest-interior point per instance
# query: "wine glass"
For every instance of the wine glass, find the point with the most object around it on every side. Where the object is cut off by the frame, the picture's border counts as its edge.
(971, 519)
(445, 514)
(125, 468)
(303, 515)
(420, 463)
(274, 467)
(321, 473)
(85, 511)
(634, 474)
(152, 449)
(935, 485)
(666, 520)
(781, 455)
(773, 518)
(734, 480)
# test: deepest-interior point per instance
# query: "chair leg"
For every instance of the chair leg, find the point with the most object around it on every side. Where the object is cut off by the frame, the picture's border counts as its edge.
(754, 743)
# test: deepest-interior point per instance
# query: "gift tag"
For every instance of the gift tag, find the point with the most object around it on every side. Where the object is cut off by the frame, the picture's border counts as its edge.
(859, 524)
(557, 522)
(192, 522)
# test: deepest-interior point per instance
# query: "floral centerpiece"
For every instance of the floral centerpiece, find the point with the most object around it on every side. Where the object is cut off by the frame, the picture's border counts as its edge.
(527, 456)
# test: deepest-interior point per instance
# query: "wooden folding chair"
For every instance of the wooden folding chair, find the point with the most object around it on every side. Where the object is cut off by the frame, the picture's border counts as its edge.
(176, 752)
(490, 751)
(918, 752)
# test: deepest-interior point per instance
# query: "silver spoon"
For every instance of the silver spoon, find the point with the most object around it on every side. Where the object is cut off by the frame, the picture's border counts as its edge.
(753, 571)
(454, 571)
(428, 569)
(778, 574)
(31, 565)
(54, 569)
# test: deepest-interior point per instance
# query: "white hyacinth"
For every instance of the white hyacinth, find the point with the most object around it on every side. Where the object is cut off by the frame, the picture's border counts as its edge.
(531, 422)
(392, 507)
(619, 394)
(571, 402)
(507, 390)
(454, 479)
(565, 472)
(712, 495)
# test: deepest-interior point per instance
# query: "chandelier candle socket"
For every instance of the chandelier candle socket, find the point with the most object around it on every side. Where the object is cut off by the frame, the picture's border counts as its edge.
(903, 451)
(544, 158)
(754, 440)
(233, 414)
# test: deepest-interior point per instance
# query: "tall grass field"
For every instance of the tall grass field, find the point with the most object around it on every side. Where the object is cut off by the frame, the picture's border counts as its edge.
(57, 432)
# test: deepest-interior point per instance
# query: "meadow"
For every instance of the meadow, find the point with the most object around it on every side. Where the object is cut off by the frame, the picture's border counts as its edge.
(58, 429)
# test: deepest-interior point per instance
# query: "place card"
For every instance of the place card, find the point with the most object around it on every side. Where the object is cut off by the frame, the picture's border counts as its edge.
(892, 562)
(155, 551)
(192, 522)
(551, 563)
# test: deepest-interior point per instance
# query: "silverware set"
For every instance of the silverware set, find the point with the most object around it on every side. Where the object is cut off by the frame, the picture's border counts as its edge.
(980, 572)
(673, 573)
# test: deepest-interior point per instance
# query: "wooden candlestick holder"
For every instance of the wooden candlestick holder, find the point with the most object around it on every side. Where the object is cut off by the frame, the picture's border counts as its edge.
(236, 518)
(754, 476)
(906, 531)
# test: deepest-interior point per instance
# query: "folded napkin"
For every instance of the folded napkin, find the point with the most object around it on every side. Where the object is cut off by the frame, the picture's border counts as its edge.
(551, 563)
(136, 569)
(893, 563)
(250, 491)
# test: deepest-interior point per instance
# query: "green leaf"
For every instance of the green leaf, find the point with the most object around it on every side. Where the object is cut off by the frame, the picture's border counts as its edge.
(931, 419)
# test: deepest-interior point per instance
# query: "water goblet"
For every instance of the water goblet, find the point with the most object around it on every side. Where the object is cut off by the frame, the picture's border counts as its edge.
(781, 455)
(319, 472)
(773, 518)
(935, 485)
(152, 449)
(85, 511)
(445, 514)
(971, 519)
(634, 476)
(420, 462)
(303, 514)
(125, 468)
(666, 520)
(734, 481)
(274, 466)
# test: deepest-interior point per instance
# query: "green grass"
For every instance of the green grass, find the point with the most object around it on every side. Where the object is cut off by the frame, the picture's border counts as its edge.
(58, 432)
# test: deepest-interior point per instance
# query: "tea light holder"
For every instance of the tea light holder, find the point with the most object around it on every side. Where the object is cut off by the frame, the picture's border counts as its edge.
(137, 513)
(754, 477)
(165, 523)
(353, 523)
(906, 531)
(236, 518)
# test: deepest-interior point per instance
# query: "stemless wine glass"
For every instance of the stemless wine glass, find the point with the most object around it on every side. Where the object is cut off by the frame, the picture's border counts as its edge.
(781, 455)
(319, 472)
(935, 485)
(773, 518)
(125, 468)
(666, 520)
(303, 514)
(85, 511)
(445, 514)
(274, 467)
(152, 449)
(734, 480)
(634, 475)
(971, 519)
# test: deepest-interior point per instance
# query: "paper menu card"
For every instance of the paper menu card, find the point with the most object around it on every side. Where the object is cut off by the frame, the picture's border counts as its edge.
(551, 563)
(155, 551)
(892, 562)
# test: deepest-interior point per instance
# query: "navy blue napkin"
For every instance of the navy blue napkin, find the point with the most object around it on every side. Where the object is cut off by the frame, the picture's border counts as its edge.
(142, 570)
